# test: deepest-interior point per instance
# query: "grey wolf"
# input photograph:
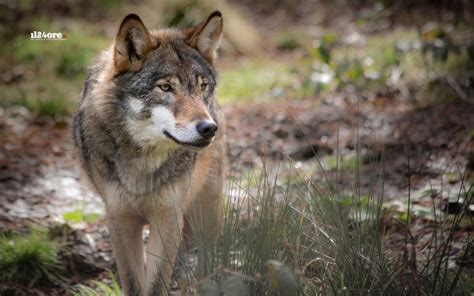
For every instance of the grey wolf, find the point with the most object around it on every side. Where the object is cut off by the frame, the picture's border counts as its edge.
(150, 136)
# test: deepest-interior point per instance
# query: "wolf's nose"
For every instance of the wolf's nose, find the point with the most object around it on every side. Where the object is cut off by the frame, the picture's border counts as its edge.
(207, 129)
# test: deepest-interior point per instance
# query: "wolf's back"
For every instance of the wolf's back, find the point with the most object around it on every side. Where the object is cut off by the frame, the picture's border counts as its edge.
(92, 132)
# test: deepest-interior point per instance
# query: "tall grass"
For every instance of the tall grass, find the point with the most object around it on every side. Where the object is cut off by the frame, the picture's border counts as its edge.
(333, 247)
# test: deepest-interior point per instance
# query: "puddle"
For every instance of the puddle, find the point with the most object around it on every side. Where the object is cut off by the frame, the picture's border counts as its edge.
(53, 194)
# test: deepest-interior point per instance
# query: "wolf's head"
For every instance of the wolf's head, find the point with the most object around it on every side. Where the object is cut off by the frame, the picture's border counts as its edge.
(165, 81)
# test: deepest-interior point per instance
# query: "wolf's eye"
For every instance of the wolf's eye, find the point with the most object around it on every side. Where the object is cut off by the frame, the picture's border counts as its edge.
(165, 87)
(203, 86)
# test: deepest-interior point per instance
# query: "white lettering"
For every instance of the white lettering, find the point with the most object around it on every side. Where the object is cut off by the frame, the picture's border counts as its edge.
(38, 35)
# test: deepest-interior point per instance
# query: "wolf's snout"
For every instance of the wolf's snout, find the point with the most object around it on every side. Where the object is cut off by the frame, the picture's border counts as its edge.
(207, 129)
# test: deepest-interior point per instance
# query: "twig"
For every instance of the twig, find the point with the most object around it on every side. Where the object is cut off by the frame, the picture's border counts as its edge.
(412, 263)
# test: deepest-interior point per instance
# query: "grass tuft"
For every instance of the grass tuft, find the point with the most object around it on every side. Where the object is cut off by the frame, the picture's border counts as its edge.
(29, 260)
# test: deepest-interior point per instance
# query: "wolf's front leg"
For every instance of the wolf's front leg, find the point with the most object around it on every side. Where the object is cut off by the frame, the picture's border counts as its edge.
(204, 218)
(127, 242)
(165, 237)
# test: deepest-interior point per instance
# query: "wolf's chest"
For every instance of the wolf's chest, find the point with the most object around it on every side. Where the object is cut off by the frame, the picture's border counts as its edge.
(150, 175)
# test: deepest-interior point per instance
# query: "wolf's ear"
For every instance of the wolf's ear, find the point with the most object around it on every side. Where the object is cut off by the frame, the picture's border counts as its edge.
(206, 36)
(132, 44)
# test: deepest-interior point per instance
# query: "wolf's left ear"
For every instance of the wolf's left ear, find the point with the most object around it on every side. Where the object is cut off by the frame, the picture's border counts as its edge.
(132, 44)
(206, 36)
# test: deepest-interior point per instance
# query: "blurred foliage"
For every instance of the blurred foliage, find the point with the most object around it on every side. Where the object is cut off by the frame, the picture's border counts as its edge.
(19, 13)
(401, 62)
(427, 66)
(47, 75)
(183, 13)
(350, 163)
(254, 80)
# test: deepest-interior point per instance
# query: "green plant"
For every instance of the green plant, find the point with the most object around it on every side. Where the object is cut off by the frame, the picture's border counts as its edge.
(77, 216)
(98, 288)
(30, 259)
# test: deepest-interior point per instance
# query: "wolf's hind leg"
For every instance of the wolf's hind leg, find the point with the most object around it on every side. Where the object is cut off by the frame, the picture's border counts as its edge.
(127, 242)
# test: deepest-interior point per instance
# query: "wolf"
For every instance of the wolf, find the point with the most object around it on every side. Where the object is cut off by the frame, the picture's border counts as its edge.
(150, 136)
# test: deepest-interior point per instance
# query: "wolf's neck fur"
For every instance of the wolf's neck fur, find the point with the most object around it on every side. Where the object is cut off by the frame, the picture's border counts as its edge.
(148, 173)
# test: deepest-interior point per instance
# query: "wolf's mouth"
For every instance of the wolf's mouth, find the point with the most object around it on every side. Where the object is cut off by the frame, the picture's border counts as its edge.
(198, 144)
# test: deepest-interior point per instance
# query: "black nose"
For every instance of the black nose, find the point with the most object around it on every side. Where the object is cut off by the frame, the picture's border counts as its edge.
(207, 129)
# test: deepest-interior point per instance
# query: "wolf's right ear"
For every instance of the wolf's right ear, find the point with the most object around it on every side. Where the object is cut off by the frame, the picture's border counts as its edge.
(132, 44)
(206, 36)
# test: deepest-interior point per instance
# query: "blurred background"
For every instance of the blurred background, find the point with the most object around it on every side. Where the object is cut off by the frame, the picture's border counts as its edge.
(323, 86)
